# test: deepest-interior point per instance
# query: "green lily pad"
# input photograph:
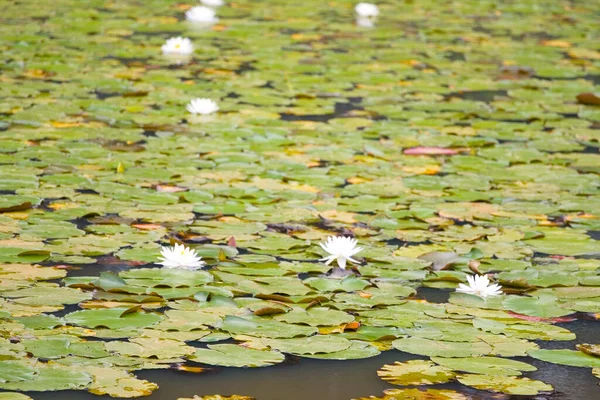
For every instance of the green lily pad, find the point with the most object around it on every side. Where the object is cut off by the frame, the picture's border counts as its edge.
(310, 345)
(566, 357)
(431, 348)
(357, 350)
(13, 396)
(50, 378)
(315, 316)
(418, 394)
(485, 365)
(16, 371)
(263, 327)
(114, 318)
(542, 306)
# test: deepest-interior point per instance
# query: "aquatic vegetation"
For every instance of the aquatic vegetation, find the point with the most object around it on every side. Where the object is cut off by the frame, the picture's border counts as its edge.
(447, 139)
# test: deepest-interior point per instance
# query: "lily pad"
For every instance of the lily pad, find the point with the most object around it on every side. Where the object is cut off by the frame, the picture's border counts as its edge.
(485, 365)
(415, 372)
(310, 345)
(357, 350)
(231, 355)
(431, 348)
(263, 327)
(114, 318)
(505, 384)
(50, 378)
(566, 357)
(316, 316)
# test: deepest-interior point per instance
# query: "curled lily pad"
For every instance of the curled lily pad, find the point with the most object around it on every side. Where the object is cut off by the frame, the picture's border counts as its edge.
(591, 349)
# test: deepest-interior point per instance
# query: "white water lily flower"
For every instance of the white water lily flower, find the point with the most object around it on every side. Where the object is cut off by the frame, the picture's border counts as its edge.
(479, 285)
(202, 106)
(212, 3)
(365, 22)
(341, 249)
(180, 257)
(201, 14)
(366, 10)
(178, 45)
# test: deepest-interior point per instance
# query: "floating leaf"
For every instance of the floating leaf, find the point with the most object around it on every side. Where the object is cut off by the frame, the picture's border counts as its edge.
(316, 316)
(310, 345)
(231, 355)
(16, 371)
(263, 327)
(566, 357)
(417, 394)
(542, 306)
(117, 383)
(357, 350)
(50, 378)
(13, 396)
(426, 347)
(112, 318)
(505, 384)
(415, 372)
(485, 365)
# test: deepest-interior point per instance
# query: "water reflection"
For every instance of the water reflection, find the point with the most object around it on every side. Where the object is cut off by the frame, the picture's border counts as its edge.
(365, 22)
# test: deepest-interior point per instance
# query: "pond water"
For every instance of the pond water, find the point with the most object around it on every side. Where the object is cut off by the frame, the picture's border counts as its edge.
(450, 139)
(301, 379)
